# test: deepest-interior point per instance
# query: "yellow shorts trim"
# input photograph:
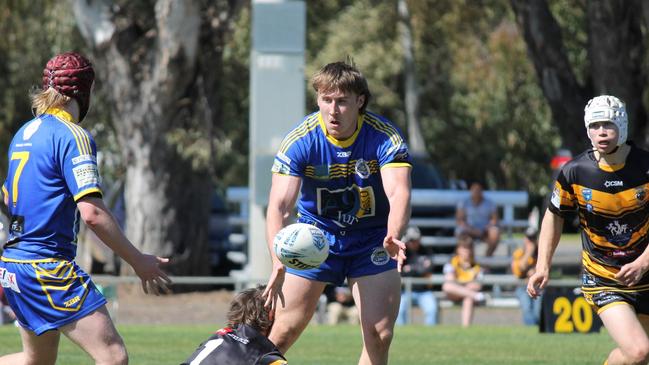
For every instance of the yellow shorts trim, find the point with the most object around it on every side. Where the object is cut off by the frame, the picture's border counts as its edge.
(32, 261)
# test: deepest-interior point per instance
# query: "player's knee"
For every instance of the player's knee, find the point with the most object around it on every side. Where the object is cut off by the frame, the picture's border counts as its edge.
(117, 355)
(639, 353)
(379, 339)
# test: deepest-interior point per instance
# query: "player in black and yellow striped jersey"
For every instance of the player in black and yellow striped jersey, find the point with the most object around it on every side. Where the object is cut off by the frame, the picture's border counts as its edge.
(607, 186)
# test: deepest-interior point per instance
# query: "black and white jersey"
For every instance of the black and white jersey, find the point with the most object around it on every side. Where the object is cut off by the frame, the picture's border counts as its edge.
(242, 345)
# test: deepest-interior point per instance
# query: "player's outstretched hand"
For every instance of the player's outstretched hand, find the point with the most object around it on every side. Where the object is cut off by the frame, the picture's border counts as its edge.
(631, 273)
(537, 283)
(154, 280)
(273, 290)
(396, 249)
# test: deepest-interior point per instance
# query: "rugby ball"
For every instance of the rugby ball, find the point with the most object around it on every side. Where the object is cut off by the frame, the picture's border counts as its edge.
(301, 246)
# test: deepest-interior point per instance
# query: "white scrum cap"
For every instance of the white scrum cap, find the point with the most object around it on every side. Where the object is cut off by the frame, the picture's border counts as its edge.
(607, 108)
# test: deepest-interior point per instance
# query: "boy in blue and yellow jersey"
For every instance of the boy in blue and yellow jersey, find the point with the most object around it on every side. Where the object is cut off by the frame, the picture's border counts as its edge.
(351, 170)
(52, 184)
(607, 186)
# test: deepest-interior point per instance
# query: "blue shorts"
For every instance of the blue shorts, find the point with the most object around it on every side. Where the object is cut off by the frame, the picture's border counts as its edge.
(355, 254)
(48, 295)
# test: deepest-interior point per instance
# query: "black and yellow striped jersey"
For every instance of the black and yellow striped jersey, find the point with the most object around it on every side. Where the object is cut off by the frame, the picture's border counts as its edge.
(611, 202)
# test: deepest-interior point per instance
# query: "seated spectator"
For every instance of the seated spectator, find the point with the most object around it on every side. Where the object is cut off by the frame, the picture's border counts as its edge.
(244, 341)
(418, 264)
(461, 278)
(477, 216)
(523, 266)
(340, 306)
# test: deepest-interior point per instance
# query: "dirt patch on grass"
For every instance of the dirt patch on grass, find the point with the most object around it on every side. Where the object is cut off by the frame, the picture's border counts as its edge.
(186, 308)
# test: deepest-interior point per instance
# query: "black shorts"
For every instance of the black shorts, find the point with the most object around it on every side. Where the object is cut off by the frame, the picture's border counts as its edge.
(600, 294)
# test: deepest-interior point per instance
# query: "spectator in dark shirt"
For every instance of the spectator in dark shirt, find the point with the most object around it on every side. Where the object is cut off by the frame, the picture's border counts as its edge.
(418, 264)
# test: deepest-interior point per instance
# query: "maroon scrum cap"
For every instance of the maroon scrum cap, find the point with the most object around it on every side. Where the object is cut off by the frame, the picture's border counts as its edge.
(72, 75)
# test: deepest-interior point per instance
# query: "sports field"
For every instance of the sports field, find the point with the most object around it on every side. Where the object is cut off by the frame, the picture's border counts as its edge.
(497, 345)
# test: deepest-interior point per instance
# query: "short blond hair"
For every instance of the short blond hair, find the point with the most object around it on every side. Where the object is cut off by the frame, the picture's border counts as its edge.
(341, 76)
(42, 100)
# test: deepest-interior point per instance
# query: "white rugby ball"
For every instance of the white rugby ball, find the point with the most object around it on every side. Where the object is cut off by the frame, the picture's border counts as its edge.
(301, 246)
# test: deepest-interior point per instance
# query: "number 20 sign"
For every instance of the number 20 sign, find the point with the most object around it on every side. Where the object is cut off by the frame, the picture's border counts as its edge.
(564, 311)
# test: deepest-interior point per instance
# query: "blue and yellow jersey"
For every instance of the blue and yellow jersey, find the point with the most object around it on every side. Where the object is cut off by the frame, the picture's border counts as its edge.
(52, 164)
(613, 207)
(341, 180)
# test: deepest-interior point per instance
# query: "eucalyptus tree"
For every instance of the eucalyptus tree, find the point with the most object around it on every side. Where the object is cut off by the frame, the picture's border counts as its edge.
(586, 48)
(160, 63)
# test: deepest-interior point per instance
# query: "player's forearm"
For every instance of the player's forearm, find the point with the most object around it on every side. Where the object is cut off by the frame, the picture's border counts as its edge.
(97, 217)
(549, 236)
(399, 212)
(274, 222)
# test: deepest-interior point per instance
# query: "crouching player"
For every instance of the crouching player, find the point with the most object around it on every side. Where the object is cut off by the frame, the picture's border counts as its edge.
(244, 341)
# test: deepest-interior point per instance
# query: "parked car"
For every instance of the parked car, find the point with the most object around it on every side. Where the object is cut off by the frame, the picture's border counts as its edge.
(225, 255)
(426, 175)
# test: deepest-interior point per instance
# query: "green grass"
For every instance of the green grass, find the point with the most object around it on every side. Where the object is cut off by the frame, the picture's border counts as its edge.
(328, 345)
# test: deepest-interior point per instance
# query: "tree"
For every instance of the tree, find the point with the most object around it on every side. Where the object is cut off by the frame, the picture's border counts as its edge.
(411, 81)
(159, 63)
(615, 53)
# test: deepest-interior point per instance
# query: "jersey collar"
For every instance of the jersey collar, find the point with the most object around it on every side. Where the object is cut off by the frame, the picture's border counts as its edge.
(341, 143)
(61, 114)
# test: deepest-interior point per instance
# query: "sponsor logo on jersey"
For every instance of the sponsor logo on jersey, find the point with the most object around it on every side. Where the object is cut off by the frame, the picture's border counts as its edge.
(619, 233)
(362, 169)
(280, 168)
(555, 200)
(17, 224)
(346, 206)
(401, 147)
(587, 280)
(612, 183)
(83, 158)
(8, 280)
(589, 207)
(640, 194)
(400, 157)
(344, 154)
(620, 253)
(71, 302)
(284, 158)
(31, 129)
(86, 174)
(244, 341)
(380, 256)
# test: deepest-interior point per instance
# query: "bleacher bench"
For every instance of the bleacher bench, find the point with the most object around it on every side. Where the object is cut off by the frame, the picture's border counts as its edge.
(506, 201)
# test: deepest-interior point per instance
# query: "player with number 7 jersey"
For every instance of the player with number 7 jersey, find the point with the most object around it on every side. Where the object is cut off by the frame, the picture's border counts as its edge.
(52, 185)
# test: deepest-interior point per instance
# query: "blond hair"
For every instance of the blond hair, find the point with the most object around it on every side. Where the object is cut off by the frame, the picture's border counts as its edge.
(341, 76)
(42, 100)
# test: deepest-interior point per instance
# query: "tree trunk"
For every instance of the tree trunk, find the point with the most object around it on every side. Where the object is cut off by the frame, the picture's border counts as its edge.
(557, 80)
(148, 63)
(416, 142)
(615, 52)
